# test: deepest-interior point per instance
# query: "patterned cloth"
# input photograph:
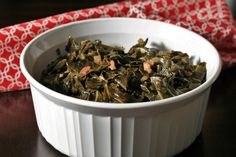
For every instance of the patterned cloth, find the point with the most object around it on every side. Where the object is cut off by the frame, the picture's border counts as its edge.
(210, 18)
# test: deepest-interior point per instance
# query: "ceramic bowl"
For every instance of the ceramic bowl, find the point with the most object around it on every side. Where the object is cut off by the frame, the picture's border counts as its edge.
(95, 129)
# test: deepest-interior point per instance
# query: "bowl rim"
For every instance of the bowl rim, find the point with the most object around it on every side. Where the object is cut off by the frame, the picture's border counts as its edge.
(93, 104)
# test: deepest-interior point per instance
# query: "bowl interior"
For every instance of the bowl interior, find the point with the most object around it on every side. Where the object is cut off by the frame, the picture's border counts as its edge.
(123, 32)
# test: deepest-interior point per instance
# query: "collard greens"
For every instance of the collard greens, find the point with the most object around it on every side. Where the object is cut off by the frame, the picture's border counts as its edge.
(94, 71)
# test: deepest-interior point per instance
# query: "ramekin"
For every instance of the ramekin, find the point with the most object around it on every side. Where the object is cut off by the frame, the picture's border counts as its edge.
(83, 128)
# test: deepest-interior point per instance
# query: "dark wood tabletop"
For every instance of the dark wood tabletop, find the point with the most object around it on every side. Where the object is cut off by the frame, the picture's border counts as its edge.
(19, 134)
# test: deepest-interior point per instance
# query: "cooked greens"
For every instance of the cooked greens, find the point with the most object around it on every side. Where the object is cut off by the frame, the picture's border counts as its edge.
(91, 70)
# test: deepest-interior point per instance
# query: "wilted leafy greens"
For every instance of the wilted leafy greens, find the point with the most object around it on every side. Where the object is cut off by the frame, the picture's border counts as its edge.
(93, 71)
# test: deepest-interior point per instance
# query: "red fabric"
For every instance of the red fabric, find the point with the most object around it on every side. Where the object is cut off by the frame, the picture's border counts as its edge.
(210, 18)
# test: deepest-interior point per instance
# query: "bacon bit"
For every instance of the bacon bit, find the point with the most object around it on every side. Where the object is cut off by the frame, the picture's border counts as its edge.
(85, 70)
(147, 67)
(97, 59)
(112, 65)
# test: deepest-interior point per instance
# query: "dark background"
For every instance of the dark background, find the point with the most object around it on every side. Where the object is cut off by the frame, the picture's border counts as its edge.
(17, 11)
(19, 135)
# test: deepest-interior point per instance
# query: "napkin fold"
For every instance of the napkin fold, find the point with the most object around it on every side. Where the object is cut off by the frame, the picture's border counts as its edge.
(210, 18)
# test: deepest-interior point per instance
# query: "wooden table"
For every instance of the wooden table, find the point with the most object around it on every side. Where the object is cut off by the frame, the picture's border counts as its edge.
(19, 134)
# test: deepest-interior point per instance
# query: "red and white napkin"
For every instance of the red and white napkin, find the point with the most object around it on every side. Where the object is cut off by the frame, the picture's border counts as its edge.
(210, 18)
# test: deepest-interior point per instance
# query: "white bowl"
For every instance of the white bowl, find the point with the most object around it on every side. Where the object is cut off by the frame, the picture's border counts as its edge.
(94, 129)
